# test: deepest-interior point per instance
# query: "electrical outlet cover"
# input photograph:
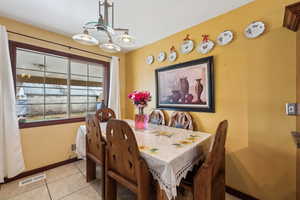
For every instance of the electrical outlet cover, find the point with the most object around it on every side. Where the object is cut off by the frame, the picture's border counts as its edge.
(73, 147)
(291, 109)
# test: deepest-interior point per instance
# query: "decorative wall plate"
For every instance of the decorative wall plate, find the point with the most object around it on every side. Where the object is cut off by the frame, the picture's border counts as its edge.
(149, 60)
(187, 46)
(173, 54)
(161, 56)
(225, 38)
(205, 47)
(255, 29)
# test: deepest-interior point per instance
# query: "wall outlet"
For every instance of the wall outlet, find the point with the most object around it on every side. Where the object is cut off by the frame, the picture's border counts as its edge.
(73, 147)
(291, 108)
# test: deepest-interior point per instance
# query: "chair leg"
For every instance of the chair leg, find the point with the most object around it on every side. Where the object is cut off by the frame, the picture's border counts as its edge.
(160, 193)
(218, 185)
(90, 170)
(218, 188)
(144, 181)
(110, 189)
(103, 182)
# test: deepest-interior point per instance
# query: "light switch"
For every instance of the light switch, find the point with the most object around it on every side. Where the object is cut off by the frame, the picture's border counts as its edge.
(291, 108)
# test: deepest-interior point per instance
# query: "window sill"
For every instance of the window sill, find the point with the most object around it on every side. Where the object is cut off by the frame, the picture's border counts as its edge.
(50, 122)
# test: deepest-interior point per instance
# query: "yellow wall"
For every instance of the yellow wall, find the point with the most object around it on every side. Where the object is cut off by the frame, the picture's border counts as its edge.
(298, 117)
(253, 81)
(51, 144)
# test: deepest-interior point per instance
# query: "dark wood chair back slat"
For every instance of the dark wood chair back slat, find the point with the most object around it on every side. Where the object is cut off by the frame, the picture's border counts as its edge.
(95, 143)
(122, 149)
(218, 149)
(123, 162)
(209, 181)
(181, 120)
(157, 117)
(105, 114)
(95, 150)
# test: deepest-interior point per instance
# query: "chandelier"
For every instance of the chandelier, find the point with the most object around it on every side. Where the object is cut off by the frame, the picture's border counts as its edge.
(105, 24)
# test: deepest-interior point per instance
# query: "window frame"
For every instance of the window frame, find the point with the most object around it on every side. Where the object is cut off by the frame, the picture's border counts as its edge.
(13, 45)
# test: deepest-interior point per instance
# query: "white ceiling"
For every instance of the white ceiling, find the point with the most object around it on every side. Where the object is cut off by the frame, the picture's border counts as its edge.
(148, 20)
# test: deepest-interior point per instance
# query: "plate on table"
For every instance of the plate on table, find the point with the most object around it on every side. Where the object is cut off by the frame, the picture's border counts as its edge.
(255, 29)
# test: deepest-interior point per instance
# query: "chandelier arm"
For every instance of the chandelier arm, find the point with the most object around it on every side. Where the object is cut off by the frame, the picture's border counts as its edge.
(112, 15)
(108, 35)
(122, 29)
(106, 12)
(89, 28)
(100, 9)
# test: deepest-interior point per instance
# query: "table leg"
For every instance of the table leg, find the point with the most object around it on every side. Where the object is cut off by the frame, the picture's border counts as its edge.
(160, 194)
(90, 169)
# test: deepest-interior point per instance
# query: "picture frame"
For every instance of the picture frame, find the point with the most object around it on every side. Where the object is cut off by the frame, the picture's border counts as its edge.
(186, 86)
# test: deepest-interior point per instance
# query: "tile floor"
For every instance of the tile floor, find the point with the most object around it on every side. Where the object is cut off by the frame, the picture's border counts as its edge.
(65, 183)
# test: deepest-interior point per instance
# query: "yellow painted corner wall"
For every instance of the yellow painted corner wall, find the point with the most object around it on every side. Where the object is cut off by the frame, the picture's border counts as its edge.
(51, 144)
(254, 78)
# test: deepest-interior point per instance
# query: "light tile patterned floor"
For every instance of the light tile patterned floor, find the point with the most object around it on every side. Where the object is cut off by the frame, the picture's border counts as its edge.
(65, 183)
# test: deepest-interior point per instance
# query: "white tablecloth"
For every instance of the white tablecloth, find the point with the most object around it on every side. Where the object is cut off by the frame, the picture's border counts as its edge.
(80, 142)
(169, 152)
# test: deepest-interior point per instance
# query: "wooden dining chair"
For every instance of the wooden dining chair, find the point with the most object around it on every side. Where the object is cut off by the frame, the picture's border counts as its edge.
(181, 120)
(124, 163)
(95, 150)
(157, 117)
(208, 182)
(105, 114)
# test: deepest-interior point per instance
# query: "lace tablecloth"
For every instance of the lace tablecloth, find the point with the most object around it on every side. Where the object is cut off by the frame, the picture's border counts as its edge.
(169, 152)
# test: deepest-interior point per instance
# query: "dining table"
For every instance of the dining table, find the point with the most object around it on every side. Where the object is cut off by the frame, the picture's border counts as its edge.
(169, 152)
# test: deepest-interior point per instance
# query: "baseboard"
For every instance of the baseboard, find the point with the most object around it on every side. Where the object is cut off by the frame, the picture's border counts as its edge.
(239, 194)
(39, 170)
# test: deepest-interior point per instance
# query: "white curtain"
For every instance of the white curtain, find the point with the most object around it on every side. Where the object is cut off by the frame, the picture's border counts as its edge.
(11, 156)
(114, 91)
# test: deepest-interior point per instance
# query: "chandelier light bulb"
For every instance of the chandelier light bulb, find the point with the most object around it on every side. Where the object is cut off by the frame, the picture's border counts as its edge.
(126, 40)
(110, 47)
(85, 38)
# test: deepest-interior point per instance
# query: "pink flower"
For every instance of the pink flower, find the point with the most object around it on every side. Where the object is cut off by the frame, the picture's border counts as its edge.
(140, 98)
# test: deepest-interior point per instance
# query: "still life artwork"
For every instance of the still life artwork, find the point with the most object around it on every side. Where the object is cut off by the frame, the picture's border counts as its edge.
(186, 86)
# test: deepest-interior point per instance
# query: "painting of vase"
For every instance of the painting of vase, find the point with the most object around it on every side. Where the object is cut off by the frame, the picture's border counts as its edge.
(186, 86)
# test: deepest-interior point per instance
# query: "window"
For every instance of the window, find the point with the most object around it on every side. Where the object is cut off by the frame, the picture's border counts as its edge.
(54, 87)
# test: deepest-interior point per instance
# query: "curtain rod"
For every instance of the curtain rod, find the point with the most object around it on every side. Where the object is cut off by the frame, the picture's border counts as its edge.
(48, 41)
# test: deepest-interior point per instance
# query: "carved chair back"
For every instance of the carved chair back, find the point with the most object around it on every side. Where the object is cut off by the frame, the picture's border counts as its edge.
(218, 148)
(209, 182)
(157, 117)
(95, 143)
(122, 150)
(181, 120)
(105, 114)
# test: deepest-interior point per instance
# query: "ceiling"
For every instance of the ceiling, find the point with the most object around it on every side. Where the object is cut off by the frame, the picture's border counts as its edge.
(148, 20)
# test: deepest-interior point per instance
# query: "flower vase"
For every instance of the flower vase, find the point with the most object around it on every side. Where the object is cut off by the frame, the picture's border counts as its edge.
(141, 120)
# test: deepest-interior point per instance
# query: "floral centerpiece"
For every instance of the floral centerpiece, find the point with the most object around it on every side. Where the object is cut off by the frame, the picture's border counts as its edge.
(140, 100)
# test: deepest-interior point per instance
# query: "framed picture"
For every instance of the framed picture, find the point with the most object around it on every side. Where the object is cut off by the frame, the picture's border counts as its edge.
(186, 86)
